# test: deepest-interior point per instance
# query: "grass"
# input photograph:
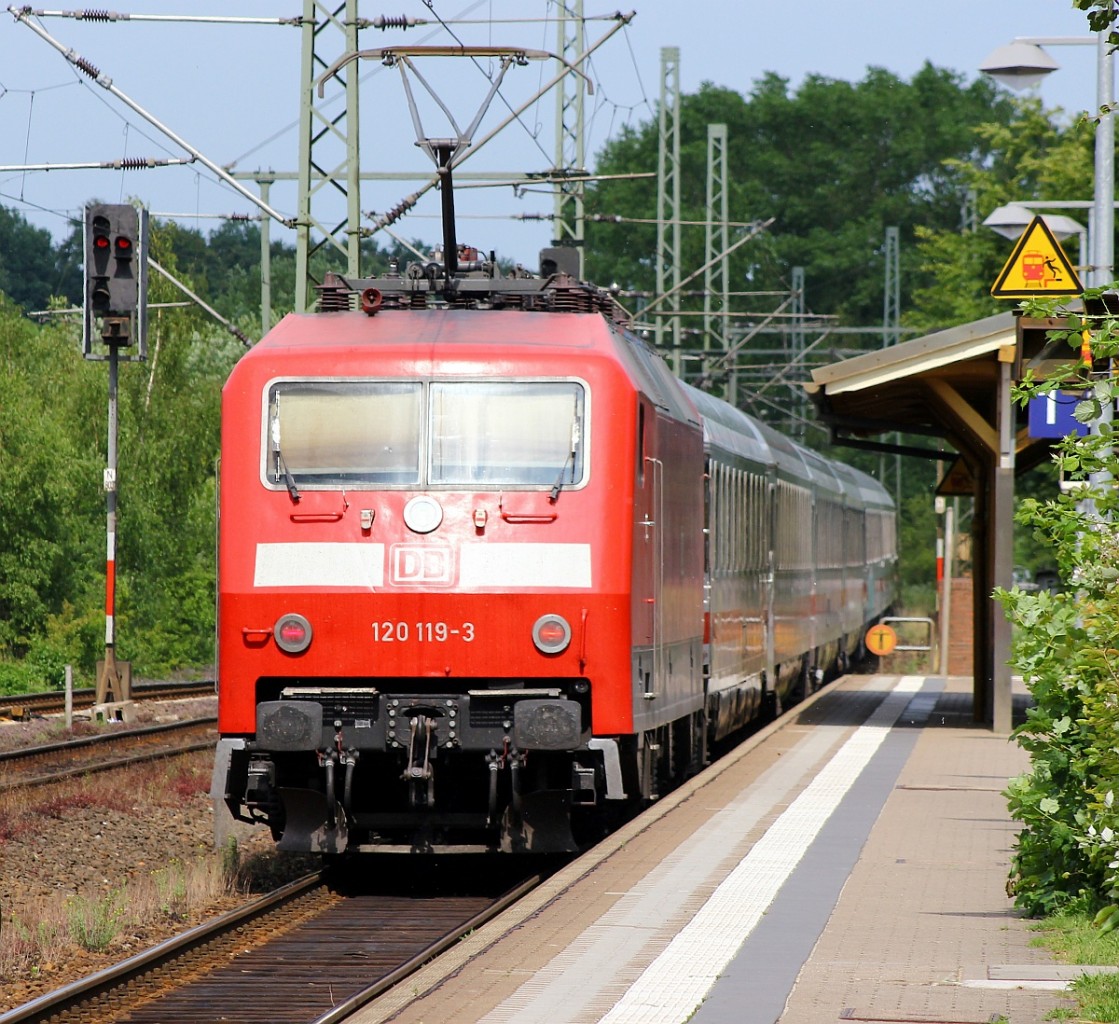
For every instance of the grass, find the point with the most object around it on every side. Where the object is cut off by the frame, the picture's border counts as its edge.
(94, 924)
(1072, 939)
(49, 932)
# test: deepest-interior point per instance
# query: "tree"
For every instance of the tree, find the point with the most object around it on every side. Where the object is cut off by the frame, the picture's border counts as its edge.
(1031, 156)
(1102, 14)
(833, 163)
(50, 547)
(31, 269)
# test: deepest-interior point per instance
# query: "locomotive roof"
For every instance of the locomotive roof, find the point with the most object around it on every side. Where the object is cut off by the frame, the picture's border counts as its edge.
(325, 343)
(437, 326)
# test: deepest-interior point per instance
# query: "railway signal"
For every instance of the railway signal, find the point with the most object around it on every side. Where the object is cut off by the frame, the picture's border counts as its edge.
(116, 246)
(115, 278)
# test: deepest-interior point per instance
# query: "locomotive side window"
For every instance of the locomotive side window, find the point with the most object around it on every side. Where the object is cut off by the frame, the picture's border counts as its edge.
(527, 432)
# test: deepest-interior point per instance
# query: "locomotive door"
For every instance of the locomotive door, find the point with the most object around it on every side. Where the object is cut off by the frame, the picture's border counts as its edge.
(772, 580)
(648, 556)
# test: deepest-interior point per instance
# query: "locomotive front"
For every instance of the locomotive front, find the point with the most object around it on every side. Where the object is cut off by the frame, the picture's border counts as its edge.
(424, 565)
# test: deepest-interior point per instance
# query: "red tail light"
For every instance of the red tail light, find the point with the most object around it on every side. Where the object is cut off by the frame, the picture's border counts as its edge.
(551, 634)
(292, 633)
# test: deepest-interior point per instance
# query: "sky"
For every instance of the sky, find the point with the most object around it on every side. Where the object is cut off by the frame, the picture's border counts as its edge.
(232, 93)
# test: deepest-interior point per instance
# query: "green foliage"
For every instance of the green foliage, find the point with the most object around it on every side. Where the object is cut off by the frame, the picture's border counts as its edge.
(1027, 155)
(52, 531)
(50, 470)
(171, 885)
(1075, 938)
(31, 269)
(94, 923)
(1102, 14)
(833, 163)
(1067, 650)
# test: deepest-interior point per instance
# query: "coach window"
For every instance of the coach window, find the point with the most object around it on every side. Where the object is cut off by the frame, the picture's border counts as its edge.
(338, 432)
(509, 433)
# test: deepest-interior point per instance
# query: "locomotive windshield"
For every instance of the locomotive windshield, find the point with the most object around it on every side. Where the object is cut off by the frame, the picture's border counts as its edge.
(418, 433)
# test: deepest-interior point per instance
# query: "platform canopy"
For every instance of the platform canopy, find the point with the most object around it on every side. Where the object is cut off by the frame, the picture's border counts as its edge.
(953, 387)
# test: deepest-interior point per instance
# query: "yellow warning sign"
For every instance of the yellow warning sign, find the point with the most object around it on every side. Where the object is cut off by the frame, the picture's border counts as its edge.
(958, 479)
(881, 639)
(1037, 267)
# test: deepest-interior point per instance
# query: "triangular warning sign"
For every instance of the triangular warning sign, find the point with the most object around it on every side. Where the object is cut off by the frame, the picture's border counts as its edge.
(958, 479)
(1037, 267)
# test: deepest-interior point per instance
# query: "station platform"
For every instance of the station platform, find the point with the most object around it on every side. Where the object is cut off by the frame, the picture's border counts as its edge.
(847, 863)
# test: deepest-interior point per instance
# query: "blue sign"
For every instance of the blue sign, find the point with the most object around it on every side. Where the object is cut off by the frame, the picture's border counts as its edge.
(1051, 415)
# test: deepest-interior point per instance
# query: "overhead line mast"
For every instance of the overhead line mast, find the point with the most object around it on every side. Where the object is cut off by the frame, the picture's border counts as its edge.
(329, 154)
(668, 253)
(570, 221)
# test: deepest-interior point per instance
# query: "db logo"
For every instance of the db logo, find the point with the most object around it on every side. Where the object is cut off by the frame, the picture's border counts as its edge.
(421, 565)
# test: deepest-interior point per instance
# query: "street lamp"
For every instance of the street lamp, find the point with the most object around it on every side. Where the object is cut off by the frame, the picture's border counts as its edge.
(1013, 218)
(1024, 63)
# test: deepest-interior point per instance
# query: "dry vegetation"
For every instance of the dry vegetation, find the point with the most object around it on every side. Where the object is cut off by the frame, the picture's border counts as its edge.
(96, 869)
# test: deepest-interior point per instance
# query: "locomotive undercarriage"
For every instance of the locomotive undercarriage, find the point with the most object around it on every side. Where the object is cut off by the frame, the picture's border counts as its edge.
(346, 768)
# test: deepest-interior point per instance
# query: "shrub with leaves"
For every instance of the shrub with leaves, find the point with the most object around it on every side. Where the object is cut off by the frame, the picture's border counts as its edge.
(1067, 650)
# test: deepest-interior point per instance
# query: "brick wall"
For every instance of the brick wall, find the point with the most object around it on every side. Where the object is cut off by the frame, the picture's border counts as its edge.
(961, 627)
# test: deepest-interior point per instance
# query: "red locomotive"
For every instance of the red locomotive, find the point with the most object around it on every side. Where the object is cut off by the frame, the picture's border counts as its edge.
(487, 569)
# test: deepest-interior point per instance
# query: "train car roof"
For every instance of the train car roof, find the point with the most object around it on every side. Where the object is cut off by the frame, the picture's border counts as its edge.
(870, 492)
(728, 428)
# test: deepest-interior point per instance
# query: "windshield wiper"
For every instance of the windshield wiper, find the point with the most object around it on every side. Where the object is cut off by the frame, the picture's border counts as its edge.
(576, 436)
(558, 485)
(281, 465)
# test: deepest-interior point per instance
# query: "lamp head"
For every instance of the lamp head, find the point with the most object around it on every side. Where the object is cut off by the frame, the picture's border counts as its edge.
(1018, 65)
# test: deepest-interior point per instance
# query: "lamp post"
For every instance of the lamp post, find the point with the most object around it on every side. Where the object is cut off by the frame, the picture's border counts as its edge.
(1019, 65)
(1024, 63)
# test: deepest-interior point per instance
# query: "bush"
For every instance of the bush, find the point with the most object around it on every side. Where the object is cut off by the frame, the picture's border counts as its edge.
(1067, 650)
(15, 678)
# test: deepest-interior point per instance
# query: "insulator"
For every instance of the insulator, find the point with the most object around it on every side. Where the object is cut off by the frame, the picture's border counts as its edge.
(334, 294)
(95, 15)
(568, 298)
(134, 163)
(396, 212)
(384, 21)
(333, 301)
(84, 65)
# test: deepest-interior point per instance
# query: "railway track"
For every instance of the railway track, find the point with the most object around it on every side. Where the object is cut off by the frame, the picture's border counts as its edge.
(26, 705)
(310, 952)
(26, 767)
